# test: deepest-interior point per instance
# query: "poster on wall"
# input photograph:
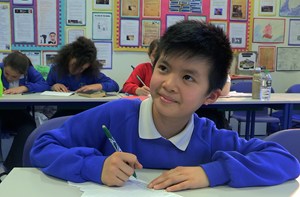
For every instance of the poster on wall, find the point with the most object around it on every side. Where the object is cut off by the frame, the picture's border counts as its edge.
(267, 7)
(5, 36)
(150, 31)
(237, 35)
(34, 56)
(48, 57)
(76, 12)
(288, 59)
(266, 57)
(289, 8)
(238, 10)
(129, 33)
(47, 23)
(268, 30)
(73, 33)
(102, 26)
(104, 54)
(218, 9)
(102, 4)
(152, 8)
(130, 8)
(23, 25)
(294, 32)
(22, 2)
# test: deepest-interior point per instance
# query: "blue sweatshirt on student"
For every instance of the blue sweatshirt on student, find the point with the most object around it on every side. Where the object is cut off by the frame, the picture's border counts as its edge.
(77, 151)
(73, 83)
(33, 80)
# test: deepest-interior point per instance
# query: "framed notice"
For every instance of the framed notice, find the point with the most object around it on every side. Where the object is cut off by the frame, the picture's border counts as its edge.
(288, 59)
(266, 57)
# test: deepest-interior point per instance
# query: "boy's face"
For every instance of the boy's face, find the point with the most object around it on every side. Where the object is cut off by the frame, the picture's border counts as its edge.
(179, 86)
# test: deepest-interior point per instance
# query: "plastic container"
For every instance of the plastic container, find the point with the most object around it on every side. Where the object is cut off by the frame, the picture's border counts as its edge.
(256, 83)
(266, 86)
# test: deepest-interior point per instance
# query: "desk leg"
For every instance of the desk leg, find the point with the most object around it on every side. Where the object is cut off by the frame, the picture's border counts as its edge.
(252, 124)
(287, 111)
(248, 116)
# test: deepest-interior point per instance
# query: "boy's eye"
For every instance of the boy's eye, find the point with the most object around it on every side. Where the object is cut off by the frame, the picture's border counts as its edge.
(188, 77)
(162, 68)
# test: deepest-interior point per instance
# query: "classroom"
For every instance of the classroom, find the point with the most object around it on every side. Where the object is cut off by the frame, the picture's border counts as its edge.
(261, 33)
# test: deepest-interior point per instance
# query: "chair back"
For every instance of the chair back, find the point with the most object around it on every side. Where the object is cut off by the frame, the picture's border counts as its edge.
(294, 89)
(46, 126)
(244, 86)
(289, 139)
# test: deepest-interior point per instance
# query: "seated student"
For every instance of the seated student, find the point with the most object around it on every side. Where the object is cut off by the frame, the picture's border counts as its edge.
(77, 69)
(144, 71)
(18, 76)
(214, 114)
(163, 132)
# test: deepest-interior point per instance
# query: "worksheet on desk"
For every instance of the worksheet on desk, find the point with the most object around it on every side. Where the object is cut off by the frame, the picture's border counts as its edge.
(133, 187)
(53, 93)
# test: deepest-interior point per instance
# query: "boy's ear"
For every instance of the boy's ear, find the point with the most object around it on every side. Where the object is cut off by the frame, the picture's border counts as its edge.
(212, 97)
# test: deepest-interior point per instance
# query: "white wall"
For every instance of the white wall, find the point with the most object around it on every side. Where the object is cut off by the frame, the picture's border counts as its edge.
(122, 61)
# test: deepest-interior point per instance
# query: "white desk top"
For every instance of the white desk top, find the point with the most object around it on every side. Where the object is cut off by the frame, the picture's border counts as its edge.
(276, 98)
(32, 182)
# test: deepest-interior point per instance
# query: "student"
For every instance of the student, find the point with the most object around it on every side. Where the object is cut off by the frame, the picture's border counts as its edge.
(18, 76)
(163, 131)
(77, 69)
(133, 85)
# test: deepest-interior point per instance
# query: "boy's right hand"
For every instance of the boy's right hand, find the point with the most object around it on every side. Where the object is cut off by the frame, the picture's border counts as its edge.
(118, 167)
(58, 87)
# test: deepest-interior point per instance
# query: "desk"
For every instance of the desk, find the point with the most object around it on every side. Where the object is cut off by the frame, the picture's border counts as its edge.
(32, 182)
(282, 101)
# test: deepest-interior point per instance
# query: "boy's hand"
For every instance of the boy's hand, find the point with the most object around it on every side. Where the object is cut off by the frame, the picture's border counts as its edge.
(142, 91)
(118, 168)
(181, 178)
(58, 87)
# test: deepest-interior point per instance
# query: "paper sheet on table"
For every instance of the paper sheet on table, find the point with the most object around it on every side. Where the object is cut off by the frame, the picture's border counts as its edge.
(133, 187)
(237, 94)
(53, 93)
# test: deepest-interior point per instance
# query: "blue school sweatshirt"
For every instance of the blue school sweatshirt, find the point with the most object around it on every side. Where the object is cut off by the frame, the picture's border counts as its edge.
(73, 82)
(33, 80)
(77, 151)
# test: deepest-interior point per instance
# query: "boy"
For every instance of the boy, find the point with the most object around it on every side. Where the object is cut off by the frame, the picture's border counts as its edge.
(163, 132)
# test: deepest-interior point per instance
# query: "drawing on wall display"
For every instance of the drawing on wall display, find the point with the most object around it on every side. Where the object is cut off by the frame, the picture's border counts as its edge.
(268, 30)
(289, 8)
(288, 58)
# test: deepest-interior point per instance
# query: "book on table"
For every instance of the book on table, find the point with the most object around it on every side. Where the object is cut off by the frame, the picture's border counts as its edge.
(92, 94)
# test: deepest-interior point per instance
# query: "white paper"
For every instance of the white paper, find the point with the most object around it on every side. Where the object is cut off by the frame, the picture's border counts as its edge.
(53, 93)
(23, 25)
(23, 2)
(102, 23)
(102, 4)
(104, 53)
(236, 94)
(5, 36)
(129, 33)
(171, 20)
(237, 35)
(47, 21)
(218, 9)
(73, 34)
(76, 12)
(133, 187)
(294, 33)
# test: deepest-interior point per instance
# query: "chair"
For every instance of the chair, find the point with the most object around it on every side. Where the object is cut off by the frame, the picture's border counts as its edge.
(260, 115)
(289, 139)
(295, 114)
(46, 126)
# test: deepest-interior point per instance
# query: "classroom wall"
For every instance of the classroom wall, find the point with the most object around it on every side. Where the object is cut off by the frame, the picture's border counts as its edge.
(121, 61)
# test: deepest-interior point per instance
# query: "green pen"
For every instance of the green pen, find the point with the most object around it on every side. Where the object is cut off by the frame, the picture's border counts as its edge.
(113, 142)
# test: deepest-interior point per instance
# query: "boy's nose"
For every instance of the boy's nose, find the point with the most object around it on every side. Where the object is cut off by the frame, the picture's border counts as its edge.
(171, 82)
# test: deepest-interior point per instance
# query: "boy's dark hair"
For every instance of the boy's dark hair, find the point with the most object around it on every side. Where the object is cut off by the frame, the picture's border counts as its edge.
(190, 39)
(153, 45)
(84, 51)
(17, 61)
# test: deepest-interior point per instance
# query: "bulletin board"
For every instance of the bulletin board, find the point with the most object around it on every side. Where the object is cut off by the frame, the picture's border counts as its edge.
(134, 19)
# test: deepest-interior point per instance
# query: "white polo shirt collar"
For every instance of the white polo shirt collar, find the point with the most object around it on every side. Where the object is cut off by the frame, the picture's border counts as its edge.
(147, 129)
